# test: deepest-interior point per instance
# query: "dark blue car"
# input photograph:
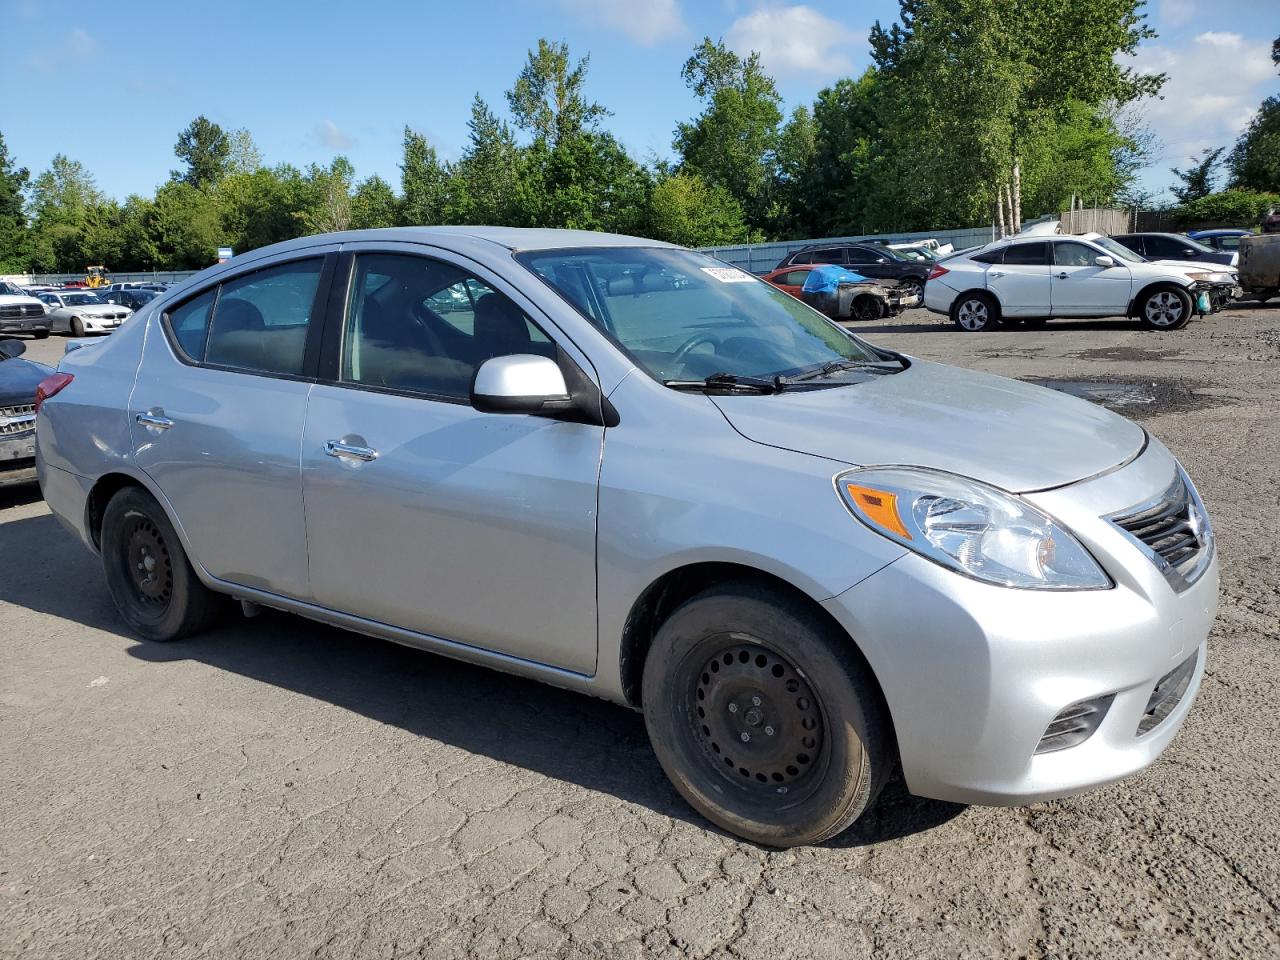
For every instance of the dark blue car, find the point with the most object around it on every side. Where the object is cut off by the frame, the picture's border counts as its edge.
(18, 381)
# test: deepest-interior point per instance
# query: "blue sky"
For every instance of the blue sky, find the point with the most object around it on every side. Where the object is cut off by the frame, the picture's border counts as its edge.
(112, 84)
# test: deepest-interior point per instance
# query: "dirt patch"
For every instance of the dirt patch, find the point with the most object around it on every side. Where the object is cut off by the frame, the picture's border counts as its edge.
(1135, 398)
(1128, 354)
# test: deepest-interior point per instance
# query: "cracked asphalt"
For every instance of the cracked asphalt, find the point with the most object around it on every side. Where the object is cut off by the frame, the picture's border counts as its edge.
(277, 788)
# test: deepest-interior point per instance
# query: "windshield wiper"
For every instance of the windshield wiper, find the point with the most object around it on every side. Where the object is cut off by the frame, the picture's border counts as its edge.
(835, 366)
(728, 381)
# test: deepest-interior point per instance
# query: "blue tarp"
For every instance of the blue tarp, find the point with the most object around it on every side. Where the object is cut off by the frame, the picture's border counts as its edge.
(828, 279)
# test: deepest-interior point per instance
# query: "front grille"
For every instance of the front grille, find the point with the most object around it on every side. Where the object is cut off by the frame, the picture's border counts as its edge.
(17, 420)
(1173, 531)
(20, 311)
(1169, 690)
(1075, 724)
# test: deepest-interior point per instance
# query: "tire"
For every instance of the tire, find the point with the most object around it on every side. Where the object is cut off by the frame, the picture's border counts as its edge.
(166, 600)
(910, 287)
(733, 668)
(975, 312)
(1165, 308)
(41, 334)
(77, 327)
(865, 308)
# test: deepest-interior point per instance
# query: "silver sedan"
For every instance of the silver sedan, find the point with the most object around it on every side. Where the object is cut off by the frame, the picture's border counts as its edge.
(631, 470)
(82, 312)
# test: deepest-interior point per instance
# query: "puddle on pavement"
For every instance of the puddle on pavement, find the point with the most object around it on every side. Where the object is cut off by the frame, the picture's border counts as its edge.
(1128, 354)
(1134, 398)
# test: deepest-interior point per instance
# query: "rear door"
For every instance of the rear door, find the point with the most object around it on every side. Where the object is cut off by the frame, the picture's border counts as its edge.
(1081, 288)
(872, 263)
(423, 513)
(217, 414)
(1021, 281)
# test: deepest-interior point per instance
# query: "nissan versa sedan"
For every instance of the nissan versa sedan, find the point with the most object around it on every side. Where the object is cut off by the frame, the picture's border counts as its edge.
(631, 470)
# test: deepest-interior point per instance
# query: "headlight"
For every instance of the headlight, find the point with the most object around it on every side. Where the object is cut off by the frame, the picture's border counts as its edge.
(971, 528)
(1197, 277)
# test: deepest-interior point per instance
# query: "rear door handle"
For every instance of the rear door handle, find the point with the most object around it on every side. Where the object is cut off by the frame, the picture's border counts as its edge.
(348, 451)
(154, 419)
(996, 274)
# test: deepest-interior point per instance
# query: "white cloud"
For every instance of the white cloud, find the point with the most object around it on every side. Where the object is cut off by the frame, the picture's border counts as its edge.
(80, 42)
(795, 39)
(1215, 83)
(329, 134)
(644, 22)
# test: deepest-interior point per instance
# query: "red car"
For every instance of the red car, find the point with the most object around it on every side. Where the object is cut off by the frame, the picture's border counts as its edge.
(790, 279)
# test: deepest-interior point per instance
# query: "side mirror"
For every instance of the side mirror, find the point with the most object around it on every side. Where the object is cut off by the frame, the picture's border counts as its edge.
(1102, 260)
(882, 260)
(9, 349)
(520, 383)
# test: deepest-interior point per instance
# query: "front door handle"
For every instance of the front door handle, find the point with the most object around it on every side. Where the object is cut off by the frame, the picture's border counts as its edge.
(1062, 276)
(349, 451)
(154, 419)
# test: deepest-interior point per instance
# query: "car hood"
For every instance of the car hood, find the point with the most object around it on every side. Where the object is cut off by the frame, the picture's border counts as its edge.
(1198, 266)
(1013, 435)
(9, 298)
(96, 309)
(18, 380)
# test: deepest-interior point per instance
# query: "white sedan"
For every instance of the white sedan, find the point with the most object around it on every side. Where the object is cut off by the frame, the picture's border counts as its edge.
(81, 312)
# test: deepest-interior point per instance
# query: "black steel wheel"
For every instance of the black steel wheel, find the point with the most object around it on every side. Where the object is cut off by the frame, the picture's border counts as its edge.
(763, 716)
(150, 579)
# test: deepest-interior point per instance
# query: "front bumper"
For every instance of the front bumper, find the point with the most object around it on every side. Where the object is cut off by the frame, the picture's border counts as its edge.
(973, 674)
(24, 324)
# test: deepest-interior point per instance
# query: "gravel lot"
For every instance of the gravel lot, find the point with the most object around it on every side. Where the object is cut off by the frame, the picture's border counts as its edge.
(280, 789)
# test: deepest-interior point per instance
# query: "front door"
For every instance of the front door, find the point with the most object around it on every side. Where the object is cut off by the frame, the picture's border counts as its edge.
(217, 414)
(1021, 282)
(1081, 288)
(423, 513)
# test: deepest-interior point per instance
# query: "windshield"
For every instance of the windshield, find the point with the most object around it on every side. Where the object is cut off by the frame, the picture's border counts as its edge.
(1119, 250)
(80, 299)
(1197, 245)
(685, 316)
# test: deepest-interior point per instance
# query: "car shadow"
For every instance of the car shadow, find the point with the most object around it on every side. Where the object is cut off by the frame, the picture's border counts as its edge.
(567, 736)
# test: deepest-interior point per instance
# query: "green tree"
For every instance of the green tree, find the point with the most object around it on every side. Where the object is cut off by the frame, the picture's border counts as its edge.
(733, 143)
(687, 210)
(424, 182)
(486, 179)
(261, 207)
(14, 254)
(206, 150)
(243, 155)
(185, 226)
(1197, 179)
(547, 98)
(373, 205)
(328, 205)
(60, 198)
(1254, 161)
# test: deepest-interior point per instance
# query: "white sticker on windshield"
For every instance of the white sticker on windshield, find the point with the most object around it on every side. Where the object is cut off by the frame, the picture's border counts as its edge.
(729, 274)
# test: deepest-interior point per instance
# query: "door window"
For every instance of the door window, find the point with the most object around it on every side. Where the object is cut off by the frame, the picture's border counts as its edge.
(190, 322)
(1073, 255)
(1027, 254)
(859, 255)
(1165, 248)
(260, 319)
(831, 255)
(423, 326)
(795, 278)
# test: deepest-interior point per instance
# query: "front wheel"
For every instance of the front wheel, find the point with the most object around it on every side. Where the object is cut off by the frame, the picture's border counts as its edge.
(77, 327)
(1168, 308)
(150, 579)
(41, 334)
(763, 717)
(911, 288)
(975, 312)
(866, 308)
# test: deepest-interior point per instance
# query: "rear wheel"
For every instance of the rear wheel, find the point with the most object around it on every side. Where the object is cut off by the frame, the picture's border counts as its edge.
(151, 581)
(763, 717)
(866, 308)
(1168, 308)
(975, 312)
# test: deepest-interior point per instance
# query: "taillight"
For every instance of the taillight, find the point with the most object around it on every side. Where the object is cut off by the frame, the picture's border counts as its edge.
(938, 271)
(51, 386)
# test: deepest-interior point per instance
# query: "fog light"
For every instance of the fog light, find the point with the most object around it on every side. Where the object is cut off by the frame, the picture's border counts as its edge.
(1075, 724)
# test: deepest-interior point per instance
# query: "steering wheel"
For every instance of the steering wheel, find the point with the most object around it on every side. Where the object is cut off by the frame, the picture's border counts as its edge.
(697, 340)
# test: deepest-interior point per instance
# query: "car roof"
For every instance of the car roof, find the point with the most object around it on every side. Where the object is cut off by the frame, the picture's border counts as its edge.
(513, 238)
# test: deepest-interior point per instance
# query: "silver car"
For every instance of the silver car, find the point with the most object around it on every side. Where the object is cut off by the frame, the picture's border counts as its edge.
(631, 470)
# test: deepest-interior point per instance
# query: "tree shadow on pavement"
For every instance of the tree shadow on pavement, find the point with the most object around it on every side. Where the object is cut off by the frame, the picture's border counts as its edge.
(567, 736)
